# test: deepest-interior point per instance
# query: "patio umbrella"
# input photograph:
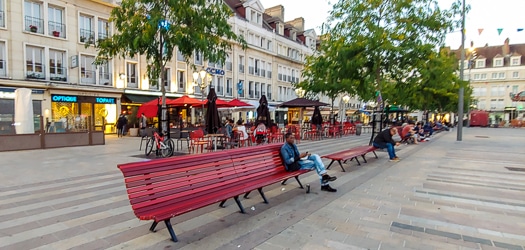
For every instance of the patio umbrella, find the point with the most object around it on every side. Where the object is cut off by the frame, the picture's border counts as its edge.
(317, 119)
(150, 108)
(213, 122)
(218, 102)
(184, 100)
(239, 103)
(263, 112)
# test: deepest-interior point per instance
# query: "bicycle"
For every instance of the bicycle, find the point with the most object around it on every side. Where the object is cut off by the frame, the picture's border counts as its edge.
(161, 143)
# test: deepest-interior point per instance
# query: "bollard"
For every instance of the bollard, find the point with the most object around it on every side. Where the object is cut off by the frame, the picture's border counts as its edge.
(307, 188)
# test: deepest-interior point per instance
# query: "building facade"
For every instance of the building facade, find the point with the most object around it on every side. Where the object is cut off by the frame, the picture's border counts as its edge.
(496, 73)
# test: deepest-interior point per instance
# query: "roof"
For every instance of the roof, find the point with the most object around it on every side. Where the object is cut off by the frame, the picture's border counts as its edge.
(499, 51)
(302, 102)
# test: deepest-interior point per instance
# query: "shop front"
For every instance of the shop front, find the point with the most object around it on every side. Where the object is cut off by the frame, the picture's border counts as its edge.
(80, 112)
(8, 107)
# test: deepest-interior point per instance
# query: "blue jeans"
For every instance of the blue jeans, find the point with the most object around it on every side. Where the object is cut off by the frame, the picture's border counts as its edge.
(389, 147)
(314, 162)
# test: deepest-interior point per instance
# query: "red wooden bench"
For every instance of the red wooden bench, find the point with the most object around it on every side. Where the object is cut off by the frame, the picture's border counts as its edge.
(161, 189)
(350, 154)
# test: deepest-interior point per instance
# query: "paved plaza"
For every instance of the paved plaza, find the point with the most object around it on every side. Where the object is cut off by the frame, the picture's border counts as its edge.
(443, 194)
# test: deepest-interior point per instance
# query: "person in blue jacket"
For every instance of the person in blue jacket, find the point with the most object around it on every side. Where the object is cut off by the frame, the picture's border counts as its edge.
(293, 161)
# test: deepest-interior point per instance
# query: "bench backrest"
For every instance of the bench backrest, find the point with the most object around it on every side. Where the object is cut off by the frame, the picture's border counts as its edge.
(159, 185)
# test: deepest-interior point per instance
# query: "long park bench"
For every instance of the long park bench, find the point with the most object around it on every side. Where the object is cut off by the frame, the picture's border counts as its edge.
(350, 154)
(161, 189)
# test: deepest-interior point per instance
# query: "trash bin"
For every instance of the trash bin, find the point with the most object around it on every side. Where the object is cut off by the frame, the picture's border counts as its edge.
(358, 128)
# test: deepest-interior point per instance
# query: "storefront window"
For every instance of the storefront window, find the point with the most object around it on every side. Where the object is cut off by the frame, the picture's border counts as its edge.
(7, 116)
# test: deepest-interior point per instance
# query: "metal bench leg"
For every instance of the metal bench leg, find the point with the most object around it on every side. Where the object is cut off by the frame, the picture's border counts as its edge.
(262, 195)
(341, 166)
(364, 159)
(357, 159)
(298, 181)
(222, 203)
(284, 182)
(246, 195)
(329, 165)
(374, 153)
(236, 198)
(170, 229)
(152, 228)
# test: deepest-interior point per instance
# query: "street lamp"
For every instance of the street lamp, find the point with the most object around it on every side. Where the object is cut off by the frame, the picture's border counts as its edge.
(300, 92)
(346, 99)
(202, 79)
(373, 105)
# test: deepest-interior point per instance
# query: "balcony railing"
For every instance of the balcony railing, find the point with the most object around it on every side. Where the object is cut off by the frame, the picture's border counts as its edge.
(2, 19)
(34, 24)
(87, 77)
(102, 35)
(105, 79)
(87, 36)
(58, 74)
(56, 29)
(36, 74)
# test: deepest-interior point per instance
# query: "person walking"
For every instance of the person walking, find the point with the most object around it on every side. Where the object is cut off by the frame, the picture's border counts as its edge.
(293, 161)
(121, 125)
(384, 140)
(143, 124)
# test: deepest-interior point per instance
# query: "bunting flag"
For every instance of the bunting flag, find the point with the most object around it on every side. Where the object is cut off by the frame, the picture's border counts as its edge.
(499, 31)
(379, 99)
(520, 29)
(479, 31)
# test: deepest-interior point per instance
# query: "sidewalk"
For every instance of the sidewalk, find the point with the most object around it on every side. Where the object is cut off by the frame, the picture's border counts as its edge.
(443, 194)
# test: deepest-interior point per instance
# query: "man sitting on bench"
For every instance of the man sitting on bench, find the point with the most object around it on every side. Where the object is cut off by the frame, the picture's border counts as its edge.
(384, 140)
(293, 161)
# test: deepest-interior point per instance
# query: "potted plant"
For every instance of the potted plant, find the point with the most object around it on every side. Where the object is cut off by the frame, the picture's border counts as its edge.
(56, 33)
(82, 39)
(33, 28)
(133, 122)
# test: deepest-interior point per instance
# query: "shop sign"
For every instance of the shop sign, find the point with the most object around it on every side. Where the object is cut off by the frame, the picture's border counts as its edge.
(105, 100)
(63, 98)
(215, 71)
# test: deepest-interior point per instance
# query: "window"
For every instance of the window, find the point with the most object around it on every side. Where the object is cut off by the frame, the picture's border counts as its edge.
(269, 92)
(250, 66)
(257, 67)
(34, 63)
(34, 21)
(241, 64)
(57, 71)
(263, 89)
(280, 72)
(482, 104)
(501, 75)
(181, 79)
(103, 29)
(2, 14)
(250, 90)
(479, 92)
(515, 89)
(498, 62)
(104, 74)
(480, 63)
(87, 69)
(483, 76)
(85, 24)
(515, 74)
(131, 75)
(257, 90)
(269, 70)
(55, 22)
(167, 79)
(494, 75)
(3, 60)
(229, 87)
(229, 62)
(220, 85)
(515, 61)
(198, 57)
(240, 88)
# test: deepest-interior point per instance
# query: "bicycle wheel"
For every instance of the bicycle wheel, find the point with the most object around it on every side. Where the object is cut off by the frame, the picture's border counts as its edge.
(171, 145)
(149, 146)
(165, 150)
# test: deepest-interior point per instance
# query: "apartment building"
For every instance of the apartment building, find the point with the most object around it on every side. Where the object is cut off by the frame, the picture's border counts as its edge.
(43, 48)
(496, 73)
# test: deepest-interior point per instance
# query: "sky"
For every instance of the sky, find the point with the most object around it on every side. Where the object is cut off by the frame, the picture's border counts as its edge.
(489, 15)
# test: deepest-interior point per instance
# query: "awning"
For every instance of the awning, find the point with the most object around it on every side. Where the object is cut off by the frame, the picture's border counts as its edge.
(138, 98)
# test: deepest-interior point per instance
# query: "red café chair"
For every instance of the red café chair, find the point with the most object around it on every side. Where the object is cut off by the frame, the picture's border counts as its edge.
(197, 140)
(313, 133)
(238, 138)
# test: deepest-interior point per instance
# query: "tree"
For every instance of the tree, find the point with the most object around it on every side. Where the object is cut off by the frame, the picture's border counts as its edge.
(373, 44)
(156, 28)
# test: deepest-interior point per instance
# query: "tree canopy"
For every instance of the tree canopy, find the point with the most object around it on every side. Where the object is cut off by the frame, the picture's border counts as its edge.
(378, 45)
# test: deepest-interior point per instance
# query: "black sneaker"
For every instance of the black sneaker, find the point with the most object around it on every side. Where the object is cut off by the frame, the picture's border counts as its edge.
(327, 178)
(327, 188)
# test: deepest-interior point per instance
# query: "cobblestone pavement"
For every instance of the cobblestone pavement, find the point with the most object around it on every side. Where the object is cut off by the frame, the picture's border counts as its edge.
(443, 194)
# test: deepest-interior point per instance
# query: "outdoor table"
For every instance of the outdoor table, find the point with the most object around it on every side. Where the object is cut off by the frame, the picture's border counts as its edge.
(214, 138)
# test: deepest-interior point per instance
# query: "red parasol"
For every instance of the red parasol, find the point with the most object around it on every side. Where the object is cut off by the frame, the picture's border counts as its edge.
(239, 103)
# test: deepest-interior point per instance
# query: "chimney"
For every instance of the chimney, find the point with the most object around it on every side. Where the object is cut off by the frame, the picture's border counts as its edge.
(506, 47)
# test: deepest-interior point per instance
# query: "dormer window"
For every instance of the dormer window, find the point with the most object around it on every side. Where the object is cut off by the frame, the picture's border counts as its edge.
(498, 62)
(293, 35)
(480, 63)
(515, 61)
(255, 17)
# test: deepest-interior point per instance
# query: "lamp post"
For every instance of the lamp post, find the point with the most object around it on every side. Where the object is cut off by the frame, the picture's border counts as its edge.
(202, 79)
(346, 99)
(373, 105)
(459, 136)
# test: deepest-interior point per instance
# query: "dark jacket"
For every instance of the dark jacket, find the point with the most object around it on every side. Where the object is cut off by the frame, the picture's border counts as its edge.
(384, 137)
